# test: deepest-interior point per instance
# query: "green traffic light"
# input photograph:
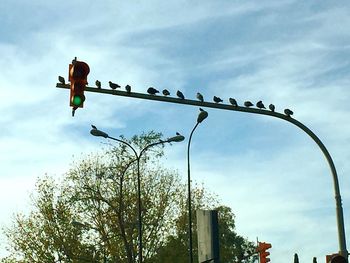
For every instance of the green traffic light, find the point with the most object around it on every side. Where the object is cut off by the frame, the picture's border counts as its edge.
(77, 101)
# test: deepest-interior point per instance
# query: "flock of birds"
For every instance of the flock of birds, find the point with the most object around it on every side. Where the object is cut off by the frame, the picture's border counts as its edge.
(180, 95)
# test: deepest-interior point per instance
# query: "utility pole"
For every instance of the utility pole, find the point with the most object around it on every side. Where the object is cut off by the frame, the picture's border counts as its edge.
(247, 108)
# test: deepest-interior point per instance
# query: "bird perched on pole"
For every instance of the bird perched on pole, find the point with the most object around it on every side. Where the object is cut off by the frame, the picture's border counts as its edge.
(180, 95)
(98, 84)
(217, 99)
(272, 107)
(128, 88)
(233, 102)
(288, 112)
(113, 85)
(61, 80)
(199, 97)
(248, 104)
(260, 105)
(152, 91)
(166, 92)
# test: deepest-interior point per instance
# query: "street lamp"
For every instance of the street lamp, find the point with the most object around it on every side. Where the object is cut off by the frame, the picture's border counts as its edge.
(177, 138)
(201, 117)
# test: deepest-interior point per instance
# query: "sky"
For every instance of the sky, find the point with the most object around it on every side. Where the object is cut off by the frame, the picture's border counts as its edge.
(294, 54)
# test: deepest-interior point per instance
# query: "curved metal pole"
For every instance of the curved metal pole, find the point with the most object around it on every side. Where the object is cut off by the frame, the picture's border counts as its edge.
(190, 242)
(138, 194)
(339, 210)
(338, 202)
(138, 158)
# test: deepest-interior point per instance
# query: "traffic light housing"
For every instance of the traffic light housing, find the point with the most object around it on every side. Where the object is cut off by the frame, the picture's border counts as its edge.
(335, 258)
(77, 77)
(263, 253)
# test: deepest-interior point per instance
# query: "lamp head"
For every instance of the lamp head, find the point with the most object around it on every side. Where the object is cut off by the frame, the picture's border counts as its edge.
(95, 132)
(202, 115)
(177, 138)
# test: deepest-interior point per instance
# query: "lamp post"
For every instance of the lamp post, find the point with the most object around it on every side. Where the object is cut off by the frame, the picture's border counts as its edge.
(178, 138)
(201, 117)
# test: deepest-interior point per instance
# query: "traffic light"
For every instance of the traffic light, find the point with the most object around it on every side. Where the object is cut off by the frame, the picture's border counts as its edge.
(77, 76)
(263, 254)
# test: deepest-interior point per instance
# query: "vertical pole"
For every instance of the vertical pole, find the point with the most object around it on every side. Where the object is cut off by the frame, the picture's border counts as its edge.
(139, 208)
(189, 197)
(338, 203)
(189, 204)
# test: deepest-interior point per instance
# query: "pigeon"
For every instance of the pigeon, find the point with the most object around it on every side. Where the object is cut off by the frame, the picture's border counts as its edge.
(217, 99)
(180, 95)
(200, 97)
(113, 85)
(98, 84)
(260, 105)
(166, 92)
(233, 102)
(248, 104)
(288, 112)
(128, 88)
(272, 107)
(152, 91)
(61, 80)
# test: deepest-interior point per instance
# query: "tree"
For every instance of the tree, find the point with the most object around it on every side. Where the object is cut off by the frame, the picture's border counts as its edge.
(91, 214)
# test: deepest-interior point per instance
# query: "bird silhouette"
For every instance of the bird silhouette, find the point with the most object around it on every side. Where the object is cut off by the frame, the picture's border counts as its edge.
(260, 105)
(180, 95)
(217, 99)
(166, 92)
(94, 127)
(288, 112)
(152, 91)
(128, 88)
(248, 104)
(61, 80)
(200, 97)
(98, 84)
(272, 107)
(233, 102)
(113, 85)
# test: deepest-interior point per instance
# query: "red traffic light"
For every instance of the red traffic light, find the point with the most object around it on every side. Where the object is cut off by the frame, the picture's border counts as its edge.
(263, 246)
(77, 76)
(263, 254)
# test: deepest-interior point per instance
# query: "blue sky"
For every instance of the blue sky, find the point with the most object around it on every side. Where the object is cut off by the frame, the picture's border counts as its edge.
(294, 54)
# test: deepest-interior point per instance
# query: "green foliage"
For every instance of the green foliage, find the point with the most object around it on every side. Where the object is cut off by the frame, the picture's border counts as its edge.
(91, 215)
